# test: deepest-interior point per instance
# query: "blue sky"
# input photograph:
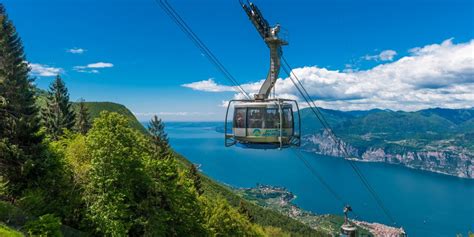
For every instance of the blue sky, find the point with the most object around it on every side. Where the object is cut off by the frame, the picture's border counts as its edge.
(348, 53)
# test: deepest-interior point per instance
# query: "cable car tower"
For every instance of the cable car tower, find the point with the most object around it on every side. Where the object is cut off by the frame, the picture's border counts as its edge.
(348, 229)
(265, 122)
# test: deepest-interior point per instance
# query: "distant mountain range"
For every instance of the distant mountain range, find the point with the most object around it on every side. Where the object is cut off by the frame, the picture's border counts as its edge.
(438, 140)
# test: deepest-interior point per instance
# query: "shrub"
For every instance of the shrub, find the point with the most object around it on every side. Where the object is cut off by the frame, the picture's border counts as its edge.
(46, 226)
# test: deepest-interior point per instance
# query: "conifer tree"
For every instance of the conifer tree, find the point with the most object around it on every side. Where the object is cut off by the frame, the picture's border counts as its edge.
(58, 114)
(156, 128)
(83, 118)
(193, 172)
(245, 211)
(20, 144)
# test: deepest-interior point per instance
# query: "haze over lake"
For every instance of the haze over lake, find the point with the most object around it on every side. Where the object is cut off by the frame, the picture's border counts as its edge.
(424, 203)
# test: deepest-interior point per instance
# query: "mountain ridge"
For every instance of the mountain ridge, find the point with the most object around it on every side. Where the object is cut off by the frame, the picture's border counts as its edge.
(435, 139)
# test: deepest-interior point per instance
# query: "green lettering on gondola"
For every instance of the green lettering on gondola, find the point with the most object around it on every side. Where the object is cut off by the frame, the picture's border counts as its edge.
(256, 132)
(268, 132)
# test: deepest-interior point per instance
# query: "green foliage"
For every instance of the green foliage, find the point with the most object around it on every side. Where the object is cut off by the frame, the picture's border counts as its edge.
(397, 131)
(173, 193)
(275, 232)
(83, 123)
(46, 226)
(20, 144)
(224, 220)
(58, 114)
(55, 193)
(261, 216)
(196, 178)
(156, 128)
(96, 108)
(12, 215)
(3, 187)
(117, 181)
(77, 157)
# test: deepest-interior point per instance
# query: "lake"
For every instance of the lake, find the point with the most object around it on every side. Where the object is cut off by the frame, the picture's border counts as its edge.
(423, 203)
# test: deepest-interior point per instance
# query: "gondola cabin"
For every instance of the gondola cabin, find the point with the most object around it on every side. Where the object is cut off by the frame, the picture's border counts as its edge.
(264, 124)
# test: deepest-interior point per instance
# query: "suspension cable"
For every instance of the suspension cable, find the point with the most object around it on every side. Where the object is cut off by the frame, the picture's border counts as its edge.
(169, 10)
(318, 177)
(340, 146)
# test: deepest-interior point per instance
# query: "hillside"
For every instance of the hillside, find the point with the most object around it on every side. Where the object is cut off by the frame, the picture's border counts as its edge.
(96, 107)
(439, 140)
(261, 216)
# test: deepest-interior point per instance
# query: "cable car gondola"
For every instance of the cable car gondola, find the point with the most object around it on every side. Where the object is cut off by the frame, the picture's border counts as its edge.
(263, 122)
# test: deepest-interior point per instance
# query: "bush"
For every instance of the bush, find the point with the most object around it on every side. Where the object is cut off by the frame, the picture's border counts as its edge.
(46, 226)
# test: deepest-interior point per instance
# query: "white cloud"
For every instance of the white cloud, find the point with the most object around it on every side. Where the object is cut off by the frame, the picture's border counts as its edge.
(99, 65)
(76, 51)
(437, 75)
(92, 67)
(208, 85)
(43, 70)
(386, 55)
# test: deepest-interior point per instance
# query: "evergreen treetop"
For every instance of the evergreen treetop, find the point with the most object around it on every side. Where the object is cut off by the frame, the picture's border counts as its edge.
(156, 128)
(58, 115)
(83, 118)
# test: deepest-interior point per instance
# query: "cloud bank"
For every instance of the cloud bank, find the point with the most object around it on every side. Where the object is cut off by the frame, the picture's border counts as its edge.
(437, 75)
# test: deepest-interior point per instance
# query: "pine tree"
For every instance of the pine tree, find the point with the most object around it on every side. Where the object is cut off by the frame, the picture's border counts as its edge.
(245, 211)
(194, 175)
(83, 118)
(58, 115)
(156, 128)
(20, 144)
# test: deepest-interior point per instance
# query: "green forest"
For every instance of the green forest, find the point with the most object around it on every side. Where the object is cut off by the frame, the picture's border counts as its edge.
(90, 169)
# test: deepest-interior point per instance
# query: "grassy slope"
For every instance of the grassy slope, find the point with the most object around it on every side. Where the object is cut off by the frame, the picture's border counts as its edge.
(7, 231)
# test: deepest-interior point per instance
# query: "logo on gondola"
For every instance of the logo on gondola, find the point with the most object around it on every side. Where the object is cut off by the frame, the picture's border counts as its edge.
(256, 132)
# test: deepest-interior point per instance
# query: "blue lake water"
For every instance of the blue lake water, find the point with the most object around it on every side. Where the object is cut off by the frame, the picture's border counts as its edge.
(424, 203)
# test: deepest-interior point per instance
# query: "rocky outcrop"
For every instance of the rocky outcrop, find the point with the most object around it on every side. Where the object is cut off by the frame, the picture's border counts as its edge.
(452, 160)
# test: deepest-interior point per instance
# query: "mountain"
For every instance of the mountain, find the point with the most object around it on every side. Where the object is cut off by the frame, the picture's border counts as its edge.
(438, 140)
